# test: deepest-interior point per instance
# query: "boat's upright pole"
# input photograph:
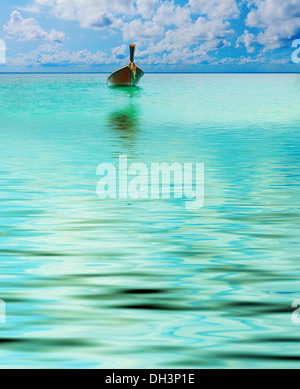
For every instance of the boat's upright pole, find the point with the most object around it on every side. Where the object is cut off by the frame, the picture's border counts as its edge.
(132, 48)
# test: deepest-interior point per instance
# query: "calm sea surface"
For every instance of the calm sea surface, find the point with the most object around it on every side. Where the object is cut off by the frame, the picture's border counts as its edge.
(149, 283)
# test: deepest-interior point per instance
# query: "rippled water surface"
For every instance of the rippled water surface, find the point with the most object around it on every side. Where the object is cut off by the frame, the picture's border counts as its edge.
(149, 283)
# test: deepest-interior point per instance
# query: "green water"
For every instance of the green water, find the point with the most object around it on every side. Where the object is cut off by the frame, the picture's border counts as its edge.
(149, 283)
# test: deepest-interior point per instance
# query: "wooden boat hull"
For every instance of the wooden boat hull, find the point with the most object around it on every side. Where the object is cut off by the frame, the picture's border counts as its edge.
(125, 77)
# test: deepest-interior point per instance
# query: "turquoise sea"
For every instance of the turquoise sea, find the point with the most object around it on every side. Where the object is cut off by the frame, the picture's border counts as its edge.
(122, 283)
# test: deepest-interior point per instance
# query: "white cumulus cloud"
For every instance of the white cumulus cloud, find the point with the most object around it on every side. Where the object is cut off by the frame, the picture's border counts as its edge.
(146, 7)
(279, 20)
(163, 30)
(176, 35)
(167, 31)
(216, 9)
(90, 13)
(28, 29)
(247, 39)
(52, 54)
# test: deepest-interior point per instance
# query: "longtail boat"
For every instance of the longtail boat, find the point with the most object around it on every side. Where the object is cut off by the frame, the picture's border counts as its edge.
(129, 75)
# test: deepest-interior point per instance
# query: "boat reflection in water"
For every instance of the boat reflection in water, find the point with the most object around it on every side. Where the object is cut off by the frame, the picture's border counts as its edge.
(124, 122)
(124, 126)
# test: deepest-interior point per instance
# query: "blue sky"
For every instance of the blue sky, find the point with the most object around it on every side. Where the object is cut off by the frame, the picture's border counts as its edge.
(179, 35)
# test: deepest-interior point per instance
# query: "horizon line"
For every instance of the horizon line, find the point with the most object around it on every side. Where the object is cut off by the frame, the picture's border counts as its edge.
(233, 72)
